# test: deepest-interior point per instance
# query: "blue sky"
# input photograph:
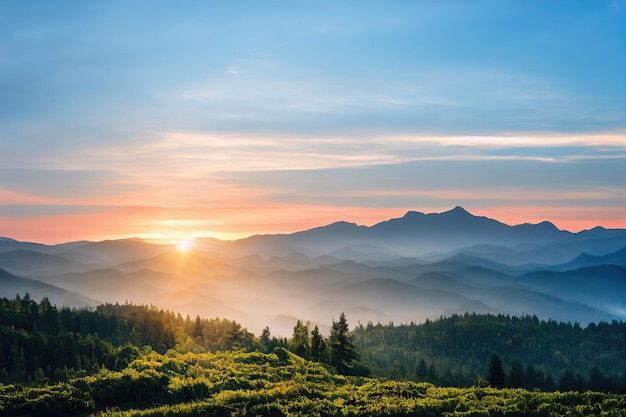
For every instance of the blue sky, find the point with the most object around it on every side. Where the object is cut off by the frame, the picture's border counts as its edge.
(133, 110)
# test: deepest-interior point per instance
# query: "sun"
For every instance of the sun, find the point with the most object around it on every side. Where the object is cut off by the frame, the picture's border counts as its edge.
(183, 246)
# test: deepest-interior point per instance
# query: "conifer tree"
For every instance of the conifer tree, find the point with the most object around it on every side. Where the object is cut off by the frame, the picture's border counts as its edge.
(596, 380)
(516, 377)
(318, 346)
(342, 351)
(197, 328)
(300, 340)
(422, 370)
(265, 341)
(568, 381)
(496, 372)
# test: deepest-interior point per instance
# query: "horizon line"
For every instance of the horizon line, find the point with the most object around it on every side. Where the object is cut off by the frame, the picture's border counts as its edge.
(167, 242)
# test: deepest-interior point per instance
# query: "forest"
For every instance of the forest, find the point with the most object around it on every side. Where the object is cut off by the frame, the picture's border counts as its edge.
(40, 342)
(543, 354)
(132, 360)
(278, 384)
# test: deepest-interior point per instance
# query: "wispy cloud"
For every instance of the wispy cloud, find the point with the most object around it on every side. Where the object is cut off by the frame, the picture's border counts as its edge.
(542, 140)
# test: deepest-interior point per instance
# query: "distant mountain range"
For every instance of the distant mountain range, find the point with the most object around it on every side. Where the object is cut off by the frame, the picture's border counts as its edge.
(403, 269)
(418, 233)
(10, 285)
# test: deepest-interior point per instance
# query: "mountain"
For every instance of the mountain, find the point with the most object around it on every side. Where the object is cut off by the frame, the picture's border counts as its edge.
(521, 301)
(106, 284)
(173, 261)
(10, 285)
(463, 258)
(401, 299)
(31, 263)
(365, 252)
(585, 260)
(498, 291)
(441, 281)
(561, 252)
(458, 227)
(408, 268)
(7, 244)
(113, 252)
(602, 287)
(414, 233)
(483, 277)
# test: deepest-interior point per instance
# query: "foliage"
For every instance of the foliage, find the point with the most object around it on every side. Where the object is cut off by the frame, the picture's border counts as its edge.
(496, 372)
(318, 346)
(104, 374)
(40, 342)
(299, 343)
(256, 384)
(456, 351)
(343, 355)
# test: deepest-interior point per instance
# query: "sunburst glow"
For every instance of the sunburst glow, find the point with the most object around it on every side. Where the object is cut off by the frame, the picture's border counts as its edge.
(184, 246)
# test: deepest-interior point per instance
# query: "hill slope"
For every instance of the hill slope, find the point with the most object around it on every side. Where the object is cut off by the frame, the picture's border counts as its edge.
(10, 285)
(279, 384)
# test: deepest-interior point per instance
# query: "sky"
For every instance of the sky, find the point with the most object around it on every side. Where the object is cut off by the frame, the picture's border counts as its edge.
(173, 120)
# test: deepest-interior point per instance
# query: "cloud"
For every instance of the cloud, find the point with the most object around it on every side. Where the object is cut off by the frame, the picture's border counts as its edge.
(542, 140)
(36, 210)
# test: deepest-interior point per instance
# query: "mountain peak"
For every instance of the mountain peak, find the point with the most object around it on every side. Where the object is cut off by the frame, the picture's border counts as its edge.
(412, 214)
(458, 210)
(547, 225)
(342, 223)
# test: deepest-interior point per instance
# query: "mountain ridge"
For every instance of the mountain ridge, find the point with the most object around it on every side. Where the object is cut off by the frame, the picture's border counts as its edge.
(457, 213)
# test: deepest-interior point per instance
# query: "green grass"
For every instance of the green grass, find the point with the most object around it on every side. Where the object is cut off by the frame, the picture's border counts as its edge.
(279, 384)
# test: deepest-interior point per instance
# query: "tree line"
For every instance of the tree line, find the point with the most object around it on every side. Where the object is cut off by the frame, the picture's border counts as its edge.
(39, 341)
(570, 380)
(538, 354)
(279, 384)
(337, 350)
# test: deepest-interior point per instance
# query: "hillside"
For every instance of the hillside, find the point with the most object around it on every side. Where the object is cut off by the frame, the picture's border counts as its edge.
(458, 347)
(127, 360)
(278, 384)
(10, 285)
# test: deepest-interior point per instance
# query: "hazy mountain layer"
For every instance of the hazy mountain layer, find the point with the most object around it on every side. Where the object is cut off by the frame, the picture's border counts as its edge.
(407, 269)
(10, 285)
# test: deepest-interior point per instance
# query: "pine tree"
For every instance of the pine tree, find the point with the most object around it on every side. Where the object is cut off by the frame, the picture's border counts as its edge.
(197, 328)
(421, 371)
(432, 374)
(300, 340)
(533, 378)
(235, 336)
(580, 382)
(516, 377)
(596, 380)
(568, 381)
(265, 341)
(49, 317)
(496, 372)
(318, 346)
(342, 351)
(17, 362)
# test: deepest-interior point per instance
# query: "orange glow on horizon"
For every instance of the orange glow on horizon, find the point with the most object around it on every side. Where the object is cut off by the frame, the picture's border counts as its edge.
(236, 223)
(175, 186)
